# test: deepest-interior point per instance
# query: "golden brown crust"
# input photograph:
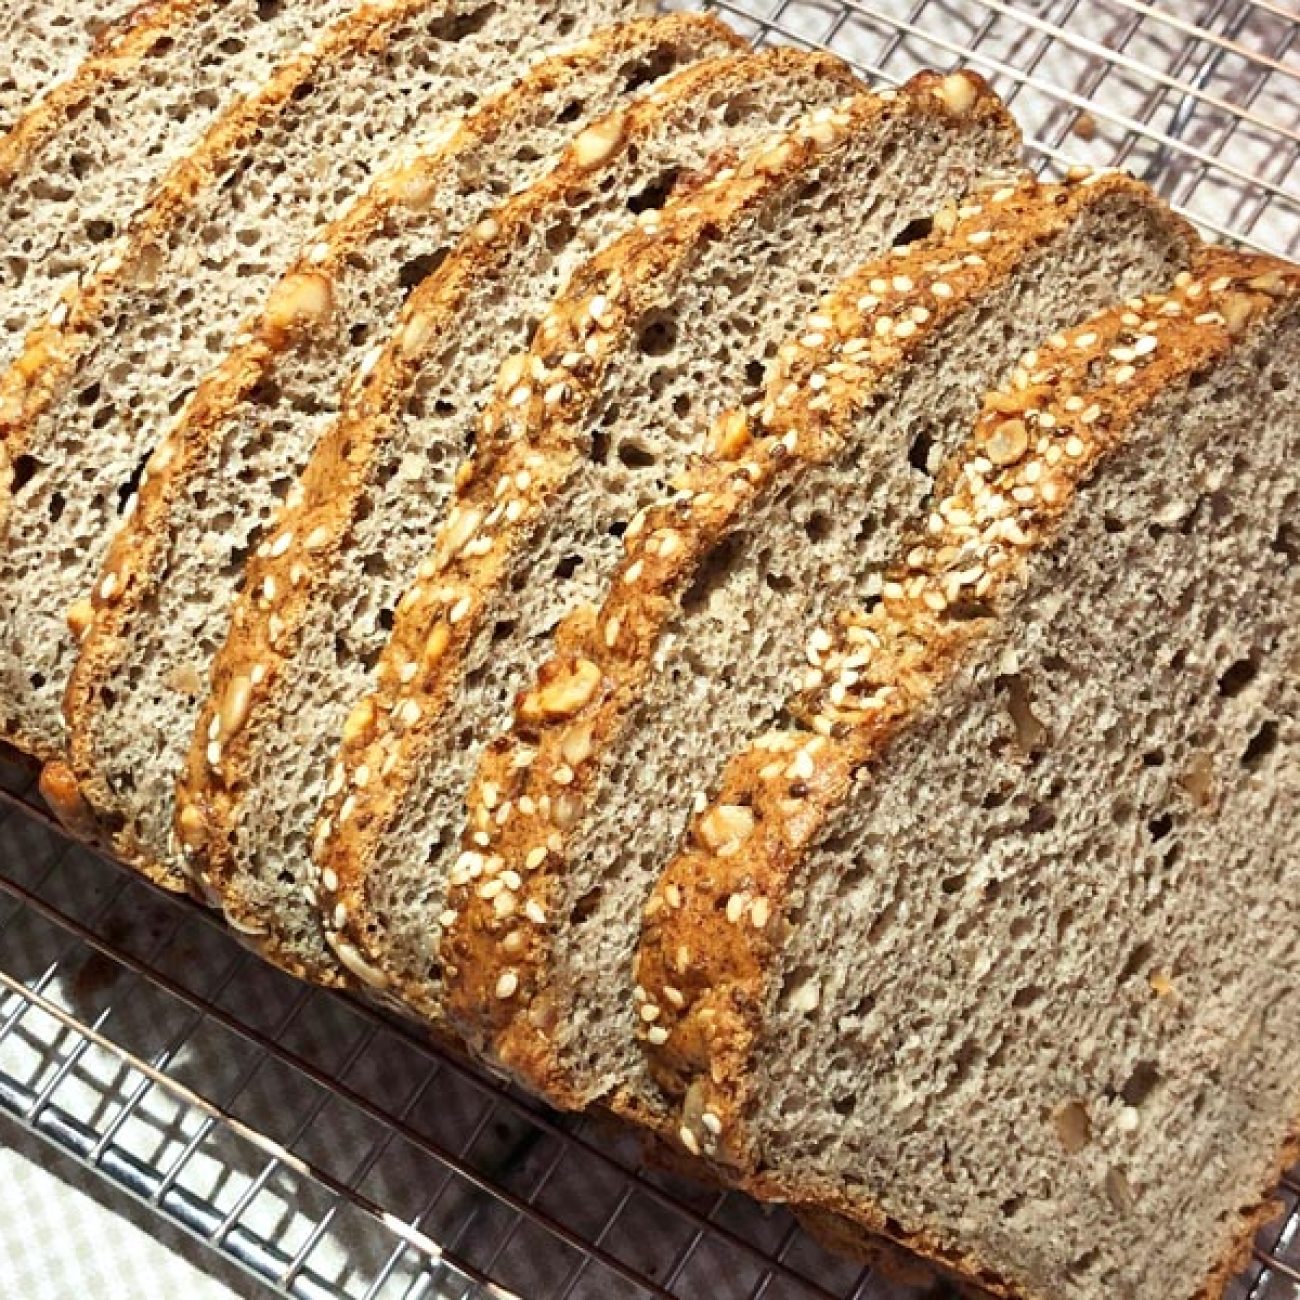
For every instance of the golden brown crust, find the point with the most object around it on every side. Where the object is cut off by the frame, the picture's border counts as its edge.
(1037, 441)
(867, 328)
(528, 442)
(313, 528)
(300, 305)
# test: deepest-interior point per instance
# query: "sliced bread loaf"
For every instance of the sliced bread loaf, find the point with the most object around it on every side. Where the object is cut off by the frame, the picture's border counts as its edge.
(720, 587)
(320, 593)
(76, 168)
(988, 958)
(144, 662)
(86, 403)
(654, 336)
(44, 43)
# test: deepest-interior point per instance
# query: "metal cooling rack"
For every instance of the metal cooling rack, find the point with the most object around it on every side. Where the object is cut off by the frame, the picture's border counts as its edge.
(326, 1149)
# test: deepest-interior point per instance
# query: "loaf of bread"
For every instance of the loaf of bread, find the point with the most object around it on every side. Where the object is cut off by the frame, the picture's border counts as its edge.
(702, 581)
(343, 554)
(1026, 804)
(84, 408)
(143, 665)
(721, 585)
(651, 339)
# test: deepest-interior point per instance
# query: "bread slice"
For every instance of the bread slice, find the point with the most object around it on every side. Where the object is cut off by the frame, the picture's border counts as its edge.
(664, 327)
(79, 165)
(135, 692)
(709, 613)
(341, 554)
(86, 403)
(988, 958)
(45, 42)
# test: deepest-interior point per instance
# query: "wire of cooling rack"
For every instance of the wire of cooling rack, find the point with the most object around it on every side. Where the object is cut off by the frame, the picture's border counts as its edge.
(326, 1148)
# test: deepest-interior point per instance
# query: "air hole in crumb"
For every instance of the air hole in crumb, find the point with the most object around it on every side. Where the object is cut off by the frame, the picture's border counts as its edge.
(1287, 542)
(127, 489)
(953, 884)
(567, 567)
(24, 470)
(754, 373)
(657, 335)
(917, 229)
(778, 582)
(418, 269)
(599, 449)
(586, 906)
(267, 10)
(652, 197)
(1026, 996)
(918, 454)
(1113, 525)
(1030, 733)
(845, 1106)
(57, 504)
(712, 573)
(559, 236)
(1040, 820)
(1140, 1084)
(1262, 744)
(1159, 827)
(1138, 959)
(569, 113)
(1153, 758)
(1237, 677)
(636, 457)
(818, 526)
(385, 620)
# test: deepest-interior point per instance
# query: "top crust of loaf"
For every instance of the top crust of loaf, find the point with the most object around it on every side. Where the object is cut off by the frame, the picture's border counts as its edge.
(295, 308)
(866, 328)
(312, 530)
(526, 443)
(716, 919)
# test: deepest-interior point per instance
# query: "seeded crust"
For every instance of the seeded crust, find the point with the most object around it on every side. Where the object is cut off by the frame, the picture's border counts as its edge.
(312, 532)
(873, 324)
(701, 938)
(45, 50)
(40, 378)
(305, 310)
(80, 163)
(526, 451)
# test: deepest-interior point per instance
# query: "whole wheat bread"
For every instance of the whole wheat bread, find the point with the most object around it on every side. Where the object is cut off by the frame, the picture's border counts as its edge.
(47, 40)
(341, 555)
(794, 520)
(972, 970)
(83, 408)
(143, 666)
(654, 335)
(75, 169)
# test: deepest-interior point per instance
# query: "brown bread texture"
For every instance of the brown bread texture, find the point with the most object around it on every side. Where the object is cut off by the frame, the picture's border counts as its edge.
(339, 558)
(89, 400)
(45, 42)
(653, 338)
(78, 166)
(720, 586)
(144, 663)
(983, 894)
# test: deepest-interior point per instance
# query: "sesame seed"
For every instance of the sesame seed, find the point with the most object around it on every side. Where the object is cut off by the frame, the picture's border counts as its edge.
(534, 911)
(507, 985)
(711, 1122)
(688, 1140)
(657, 1036)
